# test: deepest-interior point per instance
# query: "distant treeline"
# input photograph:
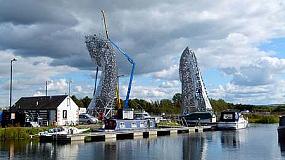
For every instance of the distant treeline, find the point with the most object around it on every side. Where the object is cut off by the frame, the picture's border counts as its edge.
(155, 107)
(220, 105)
(173, 106)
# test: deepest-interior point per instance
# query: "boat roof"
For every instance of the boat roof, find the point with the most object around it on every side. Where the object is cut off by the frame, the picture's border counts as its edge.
(229, 112)
(201, 115)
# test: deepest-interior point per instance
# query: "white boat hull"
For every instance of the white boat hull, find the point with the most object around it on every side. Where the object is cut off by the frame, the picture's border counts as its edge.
(232, 125)
(63, 131)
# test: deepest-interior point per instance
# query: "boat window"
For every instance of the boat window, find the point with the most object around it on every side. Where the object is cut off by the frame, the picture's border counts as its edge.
(122, 125)
(134, 124)
(142, 124)
(138, 116)
(228, 116)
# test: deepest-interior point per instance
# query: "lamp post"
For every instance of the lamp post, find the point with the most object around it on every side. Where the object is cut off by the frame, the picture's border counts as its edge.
(69, 81)
(11, 76)
(47, 87)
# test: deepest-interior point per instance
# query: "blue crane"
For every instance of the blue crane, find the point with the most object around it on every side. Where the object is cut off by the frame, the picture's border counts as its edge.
(132, 72)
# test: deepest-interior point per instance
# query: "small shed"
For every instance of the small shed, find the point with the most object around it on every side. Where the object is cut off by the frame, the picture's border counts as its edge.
(47, 110)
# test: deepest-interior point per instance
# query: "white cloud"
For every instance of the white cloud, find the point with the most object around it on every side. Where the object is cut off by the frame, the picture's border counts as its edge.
(165, 90)
(170, 73)
(234, 51)
(264, 70)
(39, 93)
(78, 88)
(170, 84)
(60, 85)
(263, 94)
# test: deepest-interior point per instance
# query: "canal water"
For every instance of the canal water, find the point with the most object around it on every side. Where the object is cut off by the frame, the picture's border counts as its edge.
(258, 142)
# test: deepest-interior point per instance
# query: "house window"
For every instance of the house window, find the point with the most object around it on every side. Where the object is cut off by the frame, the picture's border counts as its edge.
(68, 101)
(64, 114)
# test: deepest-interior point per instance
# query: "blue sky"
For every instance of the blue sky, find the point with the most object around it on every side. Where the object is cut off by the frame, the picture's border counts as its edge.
(277, 46)
(239, 46)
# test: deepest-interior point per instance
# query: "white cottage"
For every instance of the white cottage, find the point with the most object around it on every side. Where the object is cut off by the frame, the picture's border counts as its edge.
(47, 110)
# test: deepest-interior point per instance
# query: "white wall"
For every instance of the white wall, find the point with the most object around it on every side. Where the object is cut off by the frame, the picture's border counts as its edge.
(82, 110)
(72, 112)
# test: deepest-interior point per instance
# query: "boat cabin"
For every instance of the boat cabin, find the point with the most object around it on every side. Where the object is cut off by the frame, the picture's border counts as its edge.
(229, 116)
(199, 118)
(142, 115)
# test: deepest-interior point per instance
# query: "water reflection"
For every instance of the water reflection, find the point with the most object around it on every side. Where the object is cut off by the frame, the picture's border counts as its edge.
(193, 147)
(230, 139)
(187, 146)
(281, 142)
(34, 150)
(259, 142)
(174, 147)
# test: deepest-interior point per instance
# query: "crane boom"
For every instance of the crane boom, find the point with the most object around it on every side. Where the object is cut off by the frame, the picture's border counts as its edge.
(132, 72)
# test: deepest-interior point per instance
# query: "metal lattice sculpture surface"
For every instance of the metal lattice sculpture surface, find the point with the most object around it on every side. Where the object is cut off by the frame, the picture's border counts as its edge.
(104, 56)
(194, 95)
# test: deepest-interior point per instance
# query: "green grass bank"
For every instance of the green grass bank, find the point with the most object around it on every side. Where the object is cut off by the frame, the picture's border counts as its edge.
(258, 118)
(19, 133)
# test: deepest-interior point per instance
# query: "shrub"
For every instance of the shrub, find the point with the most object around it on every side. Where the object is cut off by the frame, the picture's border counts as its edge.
(258, 118)
(17, 133)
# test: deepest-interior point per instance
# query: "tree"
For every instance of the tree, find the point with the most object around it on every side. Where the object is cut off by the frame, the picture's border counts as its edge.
(77, 101)
(86, 100)
(220, 105)
(176, 98)
(133, 103)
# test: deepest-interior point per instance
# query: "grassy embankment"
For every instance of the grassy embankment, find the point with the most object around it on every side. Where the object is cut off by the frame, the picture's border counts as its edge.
(258, 118)
(19, 133)
(24, 133)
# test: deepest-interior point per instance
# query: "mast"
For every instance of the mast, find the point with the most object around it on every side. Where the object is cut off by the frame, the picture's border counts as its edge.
(105, 24)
